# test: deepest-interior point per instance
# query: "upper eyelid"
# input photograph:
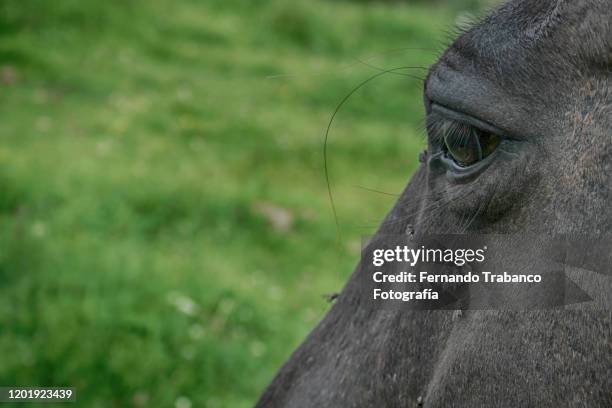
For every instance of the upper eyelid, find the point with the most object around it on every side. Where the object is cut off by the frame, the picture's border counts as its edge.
(450, 114)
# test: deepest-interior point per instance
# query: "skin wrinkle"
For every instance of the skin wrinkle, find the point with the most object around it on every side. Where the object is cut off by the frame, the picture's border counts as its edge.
(541, 70)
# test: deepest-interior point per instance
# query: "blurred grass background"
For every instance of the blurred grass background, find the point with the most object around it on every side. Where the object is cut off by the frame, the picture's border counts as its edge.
(165, 233)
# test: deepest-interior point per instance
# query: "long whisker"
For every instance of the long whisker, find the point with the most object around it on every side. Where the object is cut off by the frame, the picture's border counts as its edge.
(435, 208)
(376, 191)
(327, 130)
(484, 207)
(360, 61)
(436, 211)
(377, 68)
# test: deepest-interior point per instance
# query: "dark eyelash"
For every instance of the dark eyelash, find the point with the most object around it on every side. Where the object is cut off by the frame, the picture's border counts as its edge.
(436, 137)
(438, 127)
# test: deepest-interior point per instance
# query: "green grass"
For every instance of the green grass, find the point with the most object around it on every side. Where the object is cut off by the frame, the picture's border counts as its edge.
(146, 149)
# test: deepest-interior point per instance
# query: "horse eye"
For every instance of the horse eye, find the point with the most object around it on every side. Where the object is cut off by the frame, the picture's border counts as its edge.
(488, 143)
(467, 144)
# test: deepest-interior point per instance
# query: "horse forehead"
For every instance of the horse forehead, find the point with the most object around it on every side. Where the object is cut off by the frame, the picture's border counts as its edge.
(521, 26)
(522, 21)
(529, 42)
(502, 45)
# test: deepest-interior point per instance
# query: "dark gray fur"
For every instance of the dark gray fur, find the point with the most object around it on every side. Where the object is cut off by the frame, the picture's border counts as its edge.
(540, 69)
